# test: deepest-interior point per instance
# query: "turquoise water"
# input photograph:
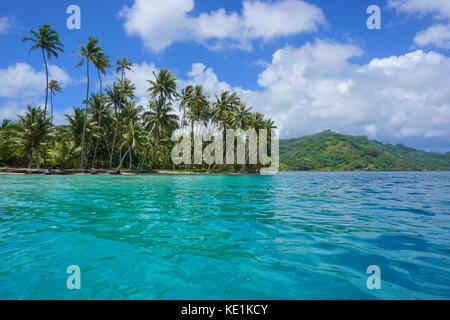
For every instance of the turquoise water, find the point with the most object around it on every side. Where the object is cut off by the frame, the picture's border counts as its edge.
(289, 236)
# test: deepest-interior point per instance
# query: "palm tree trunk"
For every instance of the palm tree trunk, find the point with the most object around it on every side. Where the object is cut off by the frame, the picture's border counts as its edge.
(51, 109)
(111, 155)
(83, 161)
(95, 153)
(100, 79)
(46, 85)
(123, 158)
(30, 163)
(131, 160)
(38, 160)
(145, 158)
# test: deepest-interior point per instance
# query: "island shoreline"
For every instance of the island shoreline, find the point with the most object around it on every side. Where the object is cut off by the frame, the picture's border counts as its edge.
(70, 172)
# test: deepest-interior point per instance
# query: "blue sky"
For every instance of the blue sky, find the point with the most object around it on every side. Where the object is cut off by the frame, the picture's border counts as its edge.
(316, 67)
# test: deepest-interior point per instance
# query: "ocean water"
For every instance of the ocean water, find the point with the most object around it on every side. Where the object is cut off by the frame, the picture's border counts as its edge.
(290, 236)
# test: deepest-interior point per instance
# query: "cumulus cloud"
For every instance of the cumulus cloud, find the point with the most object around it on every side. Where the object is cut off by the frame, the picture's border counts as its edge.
(400, 99)
(5, 25)
(306, 90)
(437, 35)
(161, 23)
(21, 84)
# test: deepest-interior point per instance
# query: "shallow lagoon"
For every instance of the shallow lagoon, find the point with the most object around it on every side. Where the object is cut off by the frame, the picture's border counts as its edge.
(291, 236)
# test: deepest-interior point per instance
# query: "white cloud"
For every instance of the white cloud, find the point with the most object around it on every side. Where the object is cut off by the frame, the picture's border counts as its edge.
(199, 74)
(161, 23)
(306, 90)
(439, 8)
(6, 25)
(437, 35)
(22, 80)
(21, 84)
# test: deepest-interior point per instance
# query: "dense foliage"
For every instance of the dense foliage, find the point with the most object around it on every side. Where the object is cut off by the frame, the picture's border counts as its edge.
(112, 130)
(328, 150)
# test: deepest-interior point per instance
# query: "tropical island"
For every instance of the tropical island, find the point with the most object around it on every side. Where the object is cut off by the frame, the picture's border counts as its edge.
(113, 133)
(331, 151)
(112, 130)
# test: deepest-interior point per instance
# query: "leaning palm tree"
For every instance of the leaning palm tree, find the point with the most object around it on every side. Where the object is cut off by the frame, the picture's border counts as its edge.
(88, 54)
(54, 87)
(32, 132)
(47, 40)
(164, 86)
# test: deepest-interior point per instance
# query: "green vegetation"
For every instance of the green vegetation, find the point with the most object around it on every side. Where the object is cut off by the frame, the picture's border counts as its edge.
(328, 150)
(112, 130)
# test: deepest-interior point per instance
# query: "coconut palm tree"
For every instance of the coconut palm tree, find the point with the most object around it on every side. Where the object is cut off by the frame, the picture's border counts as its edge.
(33, 130)
(117, 96)
(75, 126)
(123, 64)
(47, 40)
(54, 87)
(164, 86)
(198, 108)
(88, 54)
(185, 100)
(159, 122)
(133, 137)
(227, 101)
(240, 117)
(63, 153)
(101, 62)
(100, 114)
(5, 123)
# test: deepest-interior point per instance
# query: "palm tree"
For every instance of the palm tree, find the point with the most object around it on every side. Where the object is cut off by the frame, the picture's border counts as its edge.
(133, 136)
(46, 39)
(164, 86)
(100, 114)
(123, 64)
(63, 153)
(88, 53)
(198, 108)
(5, 123)
(117, 96)
(227, 101)
(32, 132)
(159, 122)
(240, 117)
(101, 62)
(185, 100)
(75, 126)
(54, 87)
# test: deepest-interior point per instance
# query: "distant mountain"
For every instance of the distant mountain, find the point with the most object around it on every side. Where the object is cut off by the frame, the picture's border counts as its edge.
(329, 150)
